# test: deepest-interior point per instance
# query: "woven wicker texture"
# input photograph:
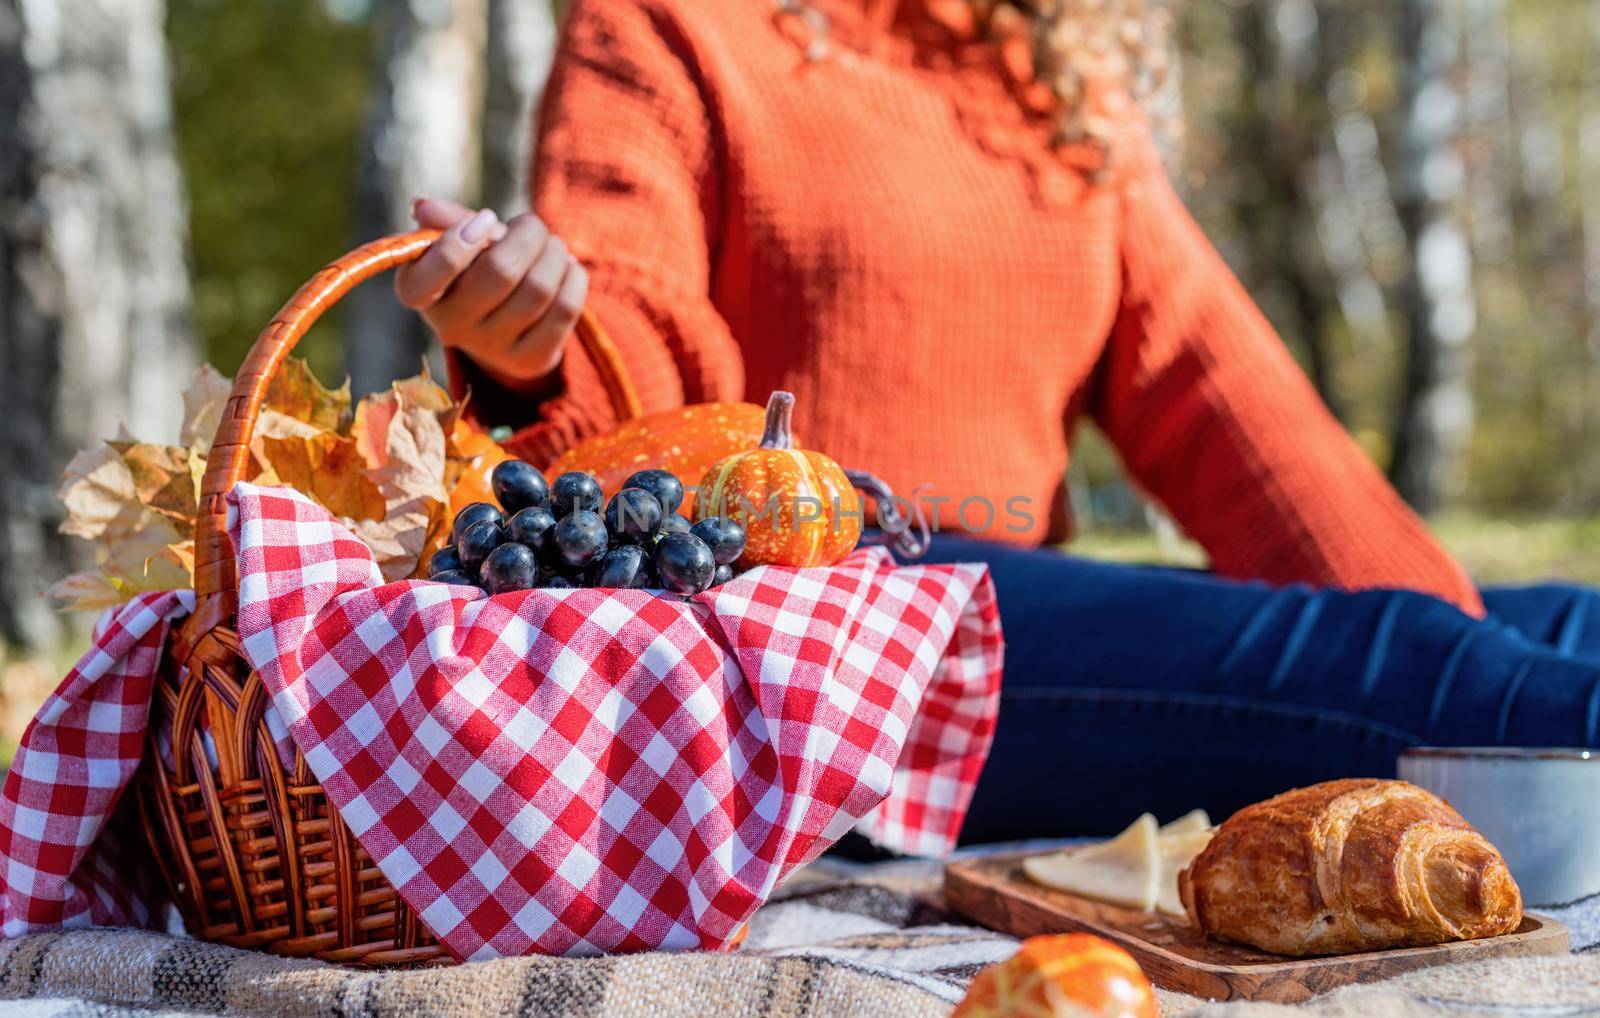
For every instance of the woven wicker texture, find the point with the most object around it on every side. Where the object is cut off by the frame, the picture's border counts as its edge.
(252, 853)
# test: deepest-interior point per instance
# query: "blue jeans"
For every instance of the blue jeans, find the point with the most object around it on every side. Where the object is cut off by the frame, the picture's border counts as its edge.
(1134, 688)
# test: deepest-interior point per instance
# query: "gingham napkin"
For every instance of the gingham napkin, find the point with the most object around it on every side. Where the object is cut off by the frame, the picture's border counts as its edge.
(63, 863)
(582, 771)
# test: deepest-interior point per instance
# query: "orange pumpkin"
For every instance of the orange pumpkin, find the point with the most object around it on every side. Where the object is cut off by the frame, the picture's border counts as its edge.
(1068, 974)
(477, 455)
(798, 508)
(686, 441)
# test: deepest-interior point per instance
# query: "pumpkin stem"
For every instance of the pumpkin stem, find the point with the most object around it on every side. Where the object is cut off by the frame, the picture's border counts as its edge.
(780, 414)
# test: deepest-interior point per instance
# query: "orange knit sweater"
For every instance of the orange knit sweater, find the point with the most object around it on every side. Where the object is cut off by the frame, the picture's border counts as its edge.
(886, 231)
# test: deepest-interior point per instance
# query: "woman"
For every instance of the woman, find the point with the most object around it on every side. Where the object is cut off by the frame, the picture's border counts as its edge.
(944, 226)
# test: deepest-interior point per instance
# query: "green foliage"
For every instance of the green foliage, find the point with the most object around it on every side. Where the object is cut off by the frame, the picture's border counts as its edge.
(269, 98)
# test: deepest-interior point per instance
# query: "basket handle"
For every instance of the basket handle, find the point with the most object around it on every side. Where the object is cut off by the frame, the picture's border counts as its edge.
(230, 450)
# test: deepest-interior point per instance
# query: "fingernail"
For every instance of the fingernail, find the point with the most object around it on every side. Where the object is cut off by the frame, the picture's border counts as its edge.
(479, 226)
(414, 203)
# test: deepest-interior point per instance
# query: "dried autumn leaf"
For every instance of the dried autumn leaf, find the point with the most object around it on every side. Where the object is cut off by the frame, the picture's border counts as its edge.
(128, 554)
(295, 392)
(105, 492)
(203, 403)
(376, 412)
(138, 551)
(166, 479)
(136, 501)
(402, 438)
(385, 469)
(272, 424)
(169, 564)
(97, 489)
(422, 391)
(329, 469)
(89, 590)
(399, 539)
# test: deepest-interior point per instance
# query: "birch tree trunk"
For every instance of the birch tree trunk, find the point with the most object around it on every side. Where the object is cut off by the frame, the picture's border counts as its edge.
(1282, 120)
(521, 46)
(423, 138)
(95, 327)
(1589, 182)
(1491, 173)
(1436, 296)
(1360, 236)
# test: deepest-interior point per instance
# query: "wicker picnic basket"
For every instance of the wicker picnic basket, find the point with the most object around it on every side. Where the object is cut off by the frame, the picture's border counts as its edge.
(253, 854)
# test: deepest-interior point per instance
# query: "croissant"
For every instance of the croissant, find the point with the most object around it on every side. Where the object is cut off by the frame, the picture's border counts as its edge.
(1352, 865)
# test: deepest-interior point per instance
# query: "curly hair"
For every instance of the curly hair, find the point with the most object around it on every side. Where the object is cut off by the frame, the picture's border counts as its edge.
(1083, 52)
(1077, 44)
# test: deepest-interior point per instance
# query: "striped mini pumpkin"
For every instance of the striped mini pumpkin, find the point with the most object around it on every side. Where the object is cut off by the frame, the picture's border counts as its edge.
(797, 506)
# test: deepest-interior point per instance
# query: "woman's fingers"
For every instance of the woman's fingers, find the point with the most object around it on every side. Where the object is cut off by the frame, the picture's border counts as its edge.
(422, 283)
(533, 294)
(496, 275)
(438, 213)
(506, 294)
(540, 346)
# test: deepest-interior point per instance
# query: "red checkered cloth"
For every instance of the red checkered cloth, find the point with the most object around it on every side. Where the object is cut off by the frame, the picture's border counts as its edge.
(583, 771)
(63, 863)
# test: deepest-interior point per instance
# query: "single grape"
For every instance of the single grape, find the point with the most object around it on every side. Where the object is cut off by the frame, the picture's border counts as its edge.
(455, 577)
(622, 566)
(510, 567)
(724, 536)
(532, 527)
(663, 484)
(444, 560)
(722, 575)
(474, 513)
(632, 515)
(476, 542)
(518, 485)
(572, 491)
(555, 581)
(580, 538)
(674, 524)
(685, 563)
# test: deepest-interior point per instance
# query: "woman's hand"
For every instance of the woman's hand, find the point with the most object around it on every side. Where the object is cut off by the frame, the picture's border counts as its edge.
(505, 294)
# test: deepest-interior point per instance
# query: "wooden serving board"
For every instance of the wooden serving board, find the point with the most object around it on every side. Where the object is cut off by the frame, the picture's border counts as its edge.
(994, 892)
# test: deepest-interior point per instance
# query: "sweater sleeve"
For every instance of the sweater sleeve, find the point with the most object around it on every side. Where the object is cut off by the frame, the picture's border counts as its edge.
(627, 174)
(1214, 418)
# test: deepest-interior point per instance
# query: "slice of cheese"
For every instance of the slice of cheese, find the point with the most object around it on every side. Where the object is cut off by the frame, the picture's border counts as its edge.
(1177, 851)
(1194, 820)
(1123, 871)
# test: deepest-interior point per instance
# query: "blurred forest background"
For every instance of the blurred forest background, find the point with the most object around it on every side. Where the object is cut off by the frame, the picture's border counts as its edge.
(1410, 188)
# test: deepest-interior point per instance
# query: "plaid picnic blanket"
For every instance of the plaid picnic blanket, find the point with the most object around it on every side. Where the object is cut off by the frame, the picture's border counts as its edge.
(837, 940)
(552, 772)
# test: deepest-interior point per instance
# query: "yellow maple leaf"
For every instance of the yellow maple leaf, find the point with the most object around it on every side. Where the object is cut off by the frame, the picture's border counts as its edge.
(327, 467)
(166, 479)
(385, 467)
(295, 391)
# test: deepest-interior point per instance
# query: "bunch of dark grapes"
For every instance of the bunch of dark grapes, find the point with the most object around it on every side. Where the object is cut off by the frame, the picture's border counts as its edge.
(558, 534)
